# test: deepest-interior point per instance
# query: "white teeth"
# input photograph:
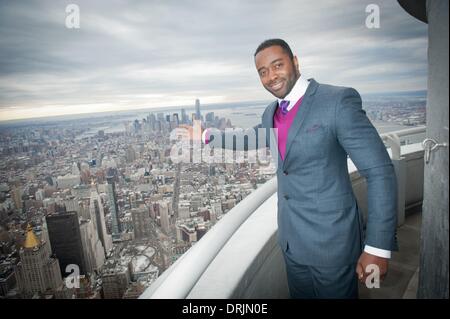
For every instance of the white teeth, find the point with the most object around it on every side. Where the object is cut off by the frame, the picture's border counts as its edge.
(277, 86)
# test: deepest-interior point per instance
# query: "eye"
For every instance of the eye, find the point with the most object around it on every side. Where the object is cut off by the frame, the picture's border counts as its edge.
(278, 65)
(262, 73)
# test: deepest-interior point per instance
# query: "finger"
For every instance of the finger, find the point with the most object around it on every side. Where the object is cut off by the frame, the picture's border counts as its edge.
(359, 271)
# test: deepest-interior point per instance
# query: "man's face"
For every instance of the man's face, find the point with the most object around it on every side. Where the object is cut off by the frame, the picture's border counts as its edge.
(277, 71)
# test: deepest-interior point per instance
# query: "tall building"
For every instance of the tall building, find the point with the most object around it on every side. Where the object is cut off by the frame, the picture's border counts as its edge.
(130, 154)
(72, 204)
(141, 222)
(183, 210)
(16, 194)
(93, 251)
(37, 272)
(164, 216)
(209, 117)
(75, 169)
(184, 117)
(98, 214)
(134, 291)
(198, 115)
(115, 280)
(7, 278)
(175, 118)
(113, 209)
(65, 240)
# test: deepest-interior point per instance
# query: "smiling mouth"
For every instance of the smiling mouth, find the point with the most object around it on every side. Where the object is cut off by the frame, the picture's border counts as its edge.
(277, 86)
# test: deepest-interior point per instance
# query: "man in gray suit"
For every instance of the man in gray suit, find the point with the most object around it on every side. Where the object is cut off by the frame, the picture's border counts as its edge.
(320, 229)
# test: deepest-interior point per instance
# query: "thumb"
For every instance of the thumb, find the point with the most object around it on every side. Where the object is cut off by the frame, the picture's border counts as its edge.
(359, 270)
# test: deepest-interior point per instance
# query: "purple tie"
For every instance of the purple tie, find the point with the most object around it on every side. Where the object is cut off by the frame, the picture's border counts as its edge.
(284, 105)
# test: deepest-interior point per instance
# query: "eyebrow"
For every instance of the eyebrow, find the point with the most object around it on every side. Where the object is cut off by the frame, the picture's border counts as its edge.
(276, 60)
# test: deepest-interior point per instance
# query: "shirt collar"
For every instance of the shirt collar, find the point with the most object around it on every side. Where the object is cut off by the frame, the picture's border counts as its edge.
(296, 93)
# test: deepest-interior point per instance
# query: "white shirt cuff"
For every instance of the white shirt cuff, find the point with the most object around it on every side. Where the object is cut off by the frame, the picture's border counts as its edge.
(377, 251)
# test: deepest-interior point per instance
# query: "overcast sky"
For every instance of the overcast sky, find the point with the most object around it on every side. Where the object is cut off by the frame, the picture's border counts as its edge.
(139, 54)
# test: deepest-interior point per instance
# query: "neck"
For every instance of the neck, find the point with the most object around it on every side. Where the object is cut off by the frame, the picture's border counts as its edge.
(296, 79)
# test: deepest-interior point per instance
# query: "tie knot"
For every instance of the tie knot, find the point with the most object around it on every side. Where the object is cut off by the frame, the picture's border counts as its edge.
(284, 105)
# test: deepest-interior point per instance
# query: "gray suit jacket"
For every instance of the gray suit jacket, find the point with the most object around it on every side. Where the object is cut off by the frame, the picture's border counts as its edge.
(318, 217)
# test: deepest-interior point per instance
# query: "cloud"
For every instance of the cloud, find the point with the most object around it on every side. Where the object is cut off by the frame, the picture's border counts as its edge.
(130, 54)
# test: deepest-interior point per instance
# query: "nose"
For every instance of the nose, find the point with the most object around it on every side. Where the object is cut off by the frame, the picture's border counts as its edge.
(273, 75)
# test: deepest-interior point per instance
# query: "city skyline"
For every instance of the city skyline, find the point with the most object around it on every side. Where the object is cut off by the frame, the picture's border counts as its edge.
(146, 55)
(115, 207)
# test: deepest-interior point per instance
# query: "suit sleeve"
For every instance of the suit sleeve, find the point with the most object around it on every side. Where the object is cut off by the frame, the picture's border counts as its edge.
(239, 139)
(361, 141)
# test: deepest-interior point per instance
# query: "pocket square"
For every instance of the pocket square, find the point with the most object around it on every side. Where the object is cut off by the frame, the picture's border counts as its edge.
(313, 128)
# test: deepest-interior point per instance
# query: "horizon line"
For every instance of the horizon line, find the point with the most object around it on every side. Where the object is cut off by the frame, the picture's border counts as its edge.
(169, 107)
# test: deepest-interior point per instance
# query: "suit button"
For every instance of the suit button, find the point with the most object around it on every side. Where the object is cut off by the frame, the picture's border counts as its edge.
(286, 197)
(285, 173)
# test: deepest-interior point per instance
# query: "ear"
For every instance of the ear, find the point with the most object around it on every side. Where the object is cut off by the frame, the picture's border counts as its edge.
(296, 63)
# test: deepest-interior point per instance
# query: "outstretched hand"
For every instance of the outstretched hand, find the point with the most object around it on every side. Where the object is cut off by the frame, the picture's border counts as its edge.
(190, 133)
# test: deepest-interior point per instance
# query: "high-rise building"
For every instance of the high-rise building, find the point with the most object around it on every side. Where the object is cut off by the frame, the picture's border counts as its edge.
(216, 209)
(164, 216)
(183, 210)
(130, 154)
(186, 232)
(65, 240)
(115, 279)
(113, 209)
(39, 194)
(16, 194)
(141, 222)
(209, 117)
(132, 199)
(7, 278)
(198, 115)
(37, 272)
(75, 169)
(175, 118)
(98, 214)
(93, 251)
(72, 204)
(184, 117)
(134, 291)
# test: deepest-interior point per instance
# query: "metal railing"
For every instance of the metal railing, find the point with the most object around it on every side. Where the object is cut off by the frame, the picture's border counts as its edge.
(393, 139)
(181, 278)
(177, 281)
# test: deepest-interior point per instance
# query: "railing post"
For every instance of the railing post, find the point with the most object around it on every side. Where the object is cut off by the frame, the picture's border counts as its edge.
(394, 142)
(400, 172)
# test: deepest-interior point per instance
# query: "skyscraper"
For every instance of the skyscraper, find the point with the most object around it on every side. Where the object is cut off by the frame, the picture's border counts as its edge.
(197, 110)
(37, 272)
(16, 194)
(98, 214)
(116, 278)
(113, 209)
(175, 118)
(209, 117)
(164, 216)
(141, 222)
(130, 154)
(93, 251)
(184, 117)
(65, 240)
(75, 169)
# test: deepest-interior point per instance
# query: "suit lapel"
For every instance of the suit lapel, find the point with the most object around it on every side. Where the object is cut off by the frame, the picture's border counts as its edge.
(301, 115)
(268, 122)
